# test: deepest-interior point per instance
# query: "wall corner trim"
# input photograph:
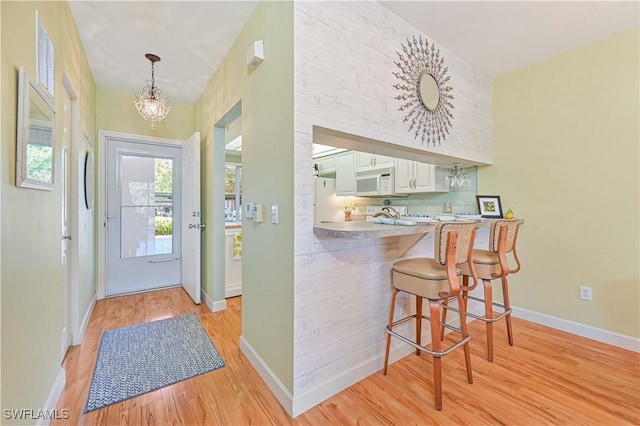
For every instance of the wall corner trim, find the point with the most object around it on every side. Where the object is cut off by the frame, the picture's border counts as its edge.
(219, 305)
(54, 396)
(78, 336)
(593, 333)
(276, 386)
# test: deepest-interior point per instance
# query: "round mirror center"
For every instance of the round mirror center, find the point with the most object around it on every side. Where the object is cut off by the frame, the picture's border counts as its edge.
(429, 91)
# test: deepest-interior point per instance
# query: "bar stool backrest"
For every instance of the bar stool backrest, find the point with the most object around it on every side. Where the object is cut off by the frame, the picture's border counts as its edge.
(512, 234)
(466, 235)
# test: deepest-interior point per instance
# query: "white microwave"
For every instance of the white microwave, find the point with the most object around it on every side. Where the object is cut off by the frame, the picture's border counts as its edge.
(375, 183)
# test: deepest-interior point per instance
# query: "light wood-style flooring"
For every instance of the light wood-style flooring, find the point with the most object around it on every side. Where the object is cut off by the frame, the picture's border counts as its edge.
(548, 377)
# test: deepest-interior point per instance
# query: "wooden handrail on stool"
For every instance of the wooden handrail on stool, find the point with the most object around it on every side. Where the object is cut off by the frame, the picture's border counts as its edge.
(435, 280)
(490, 265)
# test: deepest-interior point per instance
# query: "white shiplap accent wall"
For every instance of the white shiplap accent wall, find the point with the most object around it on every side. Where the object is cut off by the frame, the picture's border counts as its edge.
(344, 60)
(343, 64)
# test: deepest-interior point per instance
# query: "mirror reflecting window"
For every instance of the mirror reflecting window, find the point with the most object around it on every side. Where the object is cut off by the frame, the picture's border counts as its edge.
(429, 91)
(35, 156)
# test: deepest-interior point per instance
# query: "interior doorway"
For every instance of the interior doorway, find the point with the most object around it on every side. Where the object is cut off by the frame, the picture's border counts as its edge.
(66, 225)
(233, 211)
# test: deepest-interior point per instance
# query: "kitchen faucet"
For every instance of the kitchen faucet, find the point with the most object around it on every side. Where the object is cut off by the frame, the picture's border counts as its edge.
(389, 209)
(384, 214)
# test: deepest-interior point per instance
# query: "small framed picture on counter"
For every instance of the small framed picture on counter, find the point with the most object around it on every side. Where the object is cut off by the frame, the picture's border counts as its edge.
(489, 206)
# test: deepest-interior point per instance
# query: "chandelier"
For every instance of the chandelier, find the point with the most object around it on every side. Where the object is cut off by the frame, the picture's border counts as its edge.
(150, 103)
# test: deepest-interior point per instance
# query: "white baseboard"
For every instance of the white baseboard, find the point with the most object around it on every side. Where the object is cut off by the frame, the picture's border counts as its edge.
(312, 397)
(594, 333)
(233, 290)
(296, 405)
(276, 386)
(78, 336)
(220, 305)
(54, 396)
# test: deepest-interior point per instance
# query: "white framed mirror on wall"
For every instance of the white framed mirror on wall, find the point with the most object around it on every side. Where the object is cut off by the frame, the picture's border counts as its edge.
(35, 150)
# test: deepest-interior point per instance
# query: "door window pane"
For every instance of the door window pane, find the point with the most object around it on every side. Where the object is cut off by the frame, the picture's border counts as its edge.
(146, 206)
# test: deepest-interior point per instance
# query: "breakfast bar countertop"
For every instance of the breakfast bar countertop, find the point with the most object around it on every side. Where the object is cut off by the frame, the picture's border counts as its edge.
(408, 236)
(367, 229)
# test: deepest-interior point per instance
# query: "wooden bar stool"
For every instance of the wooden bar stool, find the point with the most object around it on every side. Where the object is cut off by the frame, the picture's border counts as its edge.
(435, 280)
(490, 265)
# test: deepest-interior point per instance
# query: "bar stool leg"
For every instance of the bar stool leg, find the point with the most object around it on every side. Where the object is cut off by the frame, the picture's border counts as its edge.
(418, 323)
(445, 307)
(462, 304)
(507, 306)
(434, 310)
(488, 313)
(393, 305)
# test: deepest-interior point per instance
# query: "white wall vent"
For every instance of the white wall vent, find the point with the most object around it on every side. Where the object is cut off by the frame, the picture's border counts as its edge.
(45, 58)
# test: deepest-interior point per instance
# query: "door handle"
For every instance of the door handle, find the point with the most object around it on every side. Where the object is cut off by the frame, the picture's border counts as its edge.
(202, 226)
(164, 260)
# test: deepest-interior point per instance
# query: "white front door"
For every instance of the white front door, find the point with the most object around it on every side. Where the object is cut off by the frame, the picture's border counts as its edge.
(191, 225)
(144, 216)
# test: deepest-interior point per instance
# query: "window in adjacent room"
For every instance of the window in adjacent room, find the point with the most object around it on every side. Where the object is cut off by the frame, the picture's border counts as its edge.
(232, 192)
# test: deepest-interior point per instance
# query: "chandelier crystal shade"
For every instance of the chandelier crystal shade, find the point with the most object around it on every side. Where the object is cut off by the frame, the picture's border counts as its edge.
(150, 103)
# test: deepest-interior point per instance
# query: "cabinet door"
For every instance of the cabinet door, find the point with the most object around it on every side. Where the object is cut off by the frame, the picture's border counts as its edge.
(326, 165)
(403, 176)
(346, 173)
(382, 161)
(364, 161)
(424, 177)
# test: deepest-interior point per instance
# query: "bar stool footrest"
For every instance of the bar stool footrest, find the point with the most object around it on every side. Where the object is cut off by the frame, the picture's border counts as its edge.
(423, 348)
(482, 317)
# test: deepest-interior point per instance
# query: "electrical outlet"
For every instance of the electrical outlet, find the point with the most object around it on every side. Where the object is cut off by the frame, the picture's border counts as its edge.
(585, 293)
(446, 208)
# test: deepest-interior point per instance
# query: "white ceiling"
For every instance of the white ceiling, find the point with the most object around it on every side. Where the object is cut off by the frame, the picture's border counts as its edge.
(193, 37)
(501, 36)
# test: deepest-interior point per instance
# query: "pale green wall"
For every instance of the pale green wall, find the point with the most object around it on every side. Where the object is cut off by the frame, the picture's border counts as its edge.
(566, 158)
(30, 265)
(116, 112)
(267, 160)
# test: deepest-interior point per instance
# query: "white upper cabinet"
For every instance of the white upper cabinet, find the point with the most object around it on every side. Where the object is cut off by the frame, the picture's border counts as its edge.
(366, 161)
(403, 176)
(346, 173)
(326, 165)
(415, 177)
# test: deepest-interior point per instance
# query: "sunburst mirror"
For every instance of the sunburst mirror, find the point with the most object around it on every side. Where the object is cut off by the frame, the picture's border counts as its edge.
(425, 91)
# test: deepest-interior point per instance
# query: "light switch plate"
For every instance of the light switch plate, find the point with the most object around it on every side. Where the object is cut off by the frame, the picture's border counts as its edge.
(274, 214)
(248, 210)
(258, 213)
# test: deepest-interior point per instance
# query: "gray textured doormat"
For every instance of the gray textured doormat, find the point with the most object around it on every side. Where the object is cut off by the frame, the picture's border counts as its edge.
(144, 357)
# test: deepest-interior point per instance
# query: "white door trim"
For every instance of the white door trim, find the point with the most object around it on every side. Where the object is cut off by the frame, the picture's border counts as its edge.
(74, 205)
(103, 136)
(67, 228)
